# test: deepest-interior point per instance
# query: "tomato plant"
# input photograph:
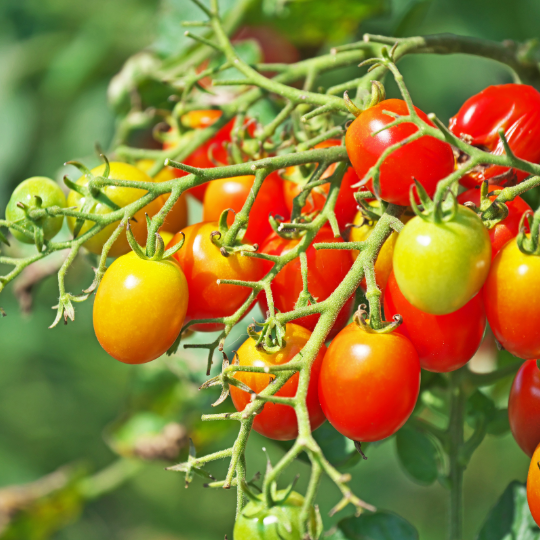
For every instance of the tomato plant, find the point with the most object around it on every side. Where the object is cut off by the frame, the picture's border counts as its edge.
(533, 486)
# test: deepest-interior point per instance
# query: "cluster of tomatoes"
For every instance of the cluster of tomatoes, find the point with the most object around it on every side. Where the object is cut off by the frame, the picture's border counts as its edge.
(445, 273)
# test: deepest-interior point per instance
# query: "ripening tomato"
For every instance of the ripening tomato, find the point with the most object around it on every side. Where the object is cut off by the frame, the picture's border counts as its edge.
(203, 265)
(512, 300)
(121, 196)
(512, 107)
(346, 205)
(524, 407)
(49, 193)
(439, 267)
(443, 342)
(233, 192)
(427, 159)
(139, 308)
(533, 486)
(177, 218)
(326, 270)
(369, 383)
(278, 421)
(506, 229)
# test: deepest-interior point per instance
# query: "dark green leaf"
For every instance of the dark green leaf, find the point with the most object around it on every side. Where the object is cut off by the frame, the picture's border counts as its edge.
(378, 526)
(480, 406)
(412, 18)
(418, 455)
(499, 423)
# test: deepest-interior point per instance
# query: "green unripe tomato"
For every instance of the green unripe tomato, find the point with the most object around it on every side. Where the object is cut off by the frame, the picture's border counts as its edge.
(280, 522)
(26, 192)
(439, 267)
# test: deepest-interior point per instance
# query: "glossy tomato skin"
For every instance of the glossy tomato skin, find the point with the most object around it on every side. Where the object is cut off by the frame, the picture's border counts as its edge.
(512, 107)
(369, 383)
(233, 193)
(443, 342)
(439, 267)
(26, 192)
(524, 407)
(533, 486)
(277, 421)
(512, 300)
(326, 270)
(140, 308)
(506, 229)
(203, 264)
(427, 159)
(346, 205)
(122, 196)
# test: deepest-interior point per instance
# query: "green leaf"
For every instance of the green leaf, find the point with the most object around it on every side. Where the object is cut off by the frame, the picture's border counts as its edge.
(378, 526)
(479, 406)
(418, 455)
(499, 423)
(510, 518)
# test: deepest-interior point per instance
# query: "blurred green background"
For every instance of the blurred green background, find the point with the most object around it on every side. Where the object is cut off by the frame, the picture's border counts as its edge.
(58, 389)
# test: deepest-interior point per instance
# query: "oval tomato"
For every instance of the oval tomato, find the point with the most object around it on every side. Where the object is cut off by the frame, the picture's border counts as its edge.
(533, 486)
(139, 308)
(277, 421)
(443, 342)
(369, 383)
(233, 192)
(439, 267)
(512, 300)
(326, 270)
(506, 229)
(512, 107)
(427, 159)
(203, 265)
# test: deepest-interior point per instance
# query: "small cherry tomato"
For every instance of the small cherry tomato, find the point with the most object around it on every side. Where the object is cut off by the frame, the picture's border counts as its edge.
(326, 270)
(524, 407)
(121, 196)
(27, 192)
(512, 300)
(278, 421)
(427, 159)
(533, 486)
(439, 267)
(515, 108)
(443, 342)
(369, 383)
(139, 308)
(203, 265)
(279, 522)
(506, 229)
(233, 192)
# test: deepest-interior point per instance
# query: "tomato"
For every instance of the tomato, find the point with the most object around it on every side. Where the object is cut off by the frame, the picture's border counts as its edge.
(139, 308)
(533, 486)
(203, 264)
(524, 407)
(345, 208)
(443, 342)
(512, 299)
(279, 522)
(275, 47)
(506, 229)
(278, 421)
(427, 159)
(369, 383)
(200, 119)
(177, 218)
(26, 192)
(512, 107)
(326, 270)
(233, 192)
(122, 196)
(439, 267)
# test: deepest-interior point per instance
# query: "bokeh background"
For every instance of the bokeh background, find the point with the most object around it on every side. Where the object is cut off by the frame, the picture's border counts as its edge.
(59, 391)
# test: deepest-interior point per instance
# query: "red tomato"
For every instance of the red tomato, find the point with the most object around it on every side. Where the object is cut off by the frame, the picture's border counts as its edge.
(279, 421)
(512, 300)
(233, 192)
(427, 159)
(203, 264)
(326, 270)
(443, 342)
(345, 205)
(512, 107)
(524, 407)
(506, 229)
(369, 383)
(533, 486)
(275, 47)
